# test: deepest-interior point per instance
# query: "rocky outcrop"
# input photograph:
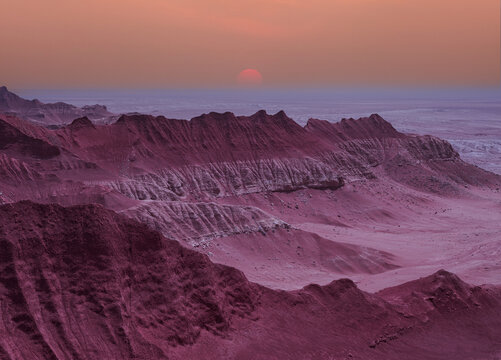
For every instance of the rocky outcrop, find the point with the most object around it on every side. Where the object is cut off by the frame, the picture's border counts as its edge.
(230, 178)
(437, 295)
(424, 162)
(198, 222)
(81, 123)
(371, 127)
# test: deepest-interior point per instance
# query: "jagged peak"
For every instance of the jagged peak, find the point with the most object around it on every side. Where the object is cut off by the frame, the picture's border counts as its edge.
(280, 118)
(282, 115)
(444, 274)
(440, 277)
(373, 126)
(95, 107)
(378, 119)
(313, 123)
(226, 116)
(341, 286)
(264, 115)
(442, 285)
(376, 116)
(335, 287)
(80, 123)
(444, 278)
(260, 113)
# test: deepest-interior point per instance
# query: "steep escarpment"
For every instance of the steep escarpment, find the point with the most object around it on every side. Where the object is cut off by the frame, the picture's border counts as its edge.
(218, 155)
(370, 127)
(148, 143)
(211, 136)
(431, 164)
(85, 283)
(423, 162)
(82, 281)
(230, 178)
(222, 155)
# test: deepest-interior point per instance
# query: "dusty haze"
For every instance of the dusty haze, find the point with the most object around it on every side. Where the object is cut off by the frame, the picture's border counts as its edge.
(195, 43)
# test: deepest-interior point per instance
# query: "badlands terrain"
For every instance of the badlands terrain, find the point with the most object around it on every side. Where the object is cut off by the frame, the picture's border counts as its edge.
(241, 237)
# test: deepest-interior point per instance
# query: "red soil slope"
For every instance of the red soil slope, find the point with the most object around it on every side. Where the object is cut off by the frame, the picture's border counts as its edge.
(86, 283)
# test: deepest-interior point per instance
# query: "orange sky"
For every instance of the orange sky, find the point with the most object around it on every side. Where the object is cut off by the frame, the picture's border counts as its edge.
(206, 43)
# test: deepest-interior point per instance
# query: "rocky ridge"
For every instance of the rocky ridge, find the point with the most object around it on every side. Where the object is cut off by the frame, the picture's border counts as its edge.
(48, 114)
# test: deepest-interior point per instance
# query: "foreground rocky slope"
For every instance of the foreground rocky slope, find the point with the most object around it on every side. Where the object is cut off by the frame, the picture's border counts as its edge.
(86, 283)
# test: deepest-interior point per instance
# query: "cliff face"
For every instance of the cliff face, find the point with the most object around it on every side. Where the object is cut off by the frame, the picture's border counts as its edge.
(230, 178)
(85, 283)
(196, 222)
(218, 155)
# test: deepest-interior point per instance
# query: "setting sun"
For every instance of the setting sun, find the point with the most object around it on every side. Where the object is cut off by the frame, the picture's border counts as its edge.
(250, 77)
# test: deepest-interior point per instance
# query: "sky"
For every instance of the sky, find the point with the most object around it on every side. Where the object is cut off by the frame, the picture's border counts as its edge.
(207, 43)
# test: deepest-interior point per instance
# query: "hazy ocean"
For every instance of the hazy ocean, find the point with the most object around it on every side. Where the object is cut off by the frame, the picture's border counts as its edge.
(469, 119)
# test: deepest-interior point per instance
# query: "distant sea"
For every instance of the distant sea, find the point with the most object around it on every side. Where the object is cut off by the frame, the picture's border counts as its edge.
(469, 118)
